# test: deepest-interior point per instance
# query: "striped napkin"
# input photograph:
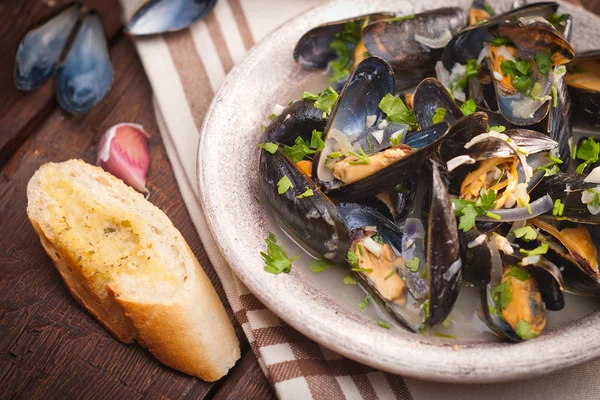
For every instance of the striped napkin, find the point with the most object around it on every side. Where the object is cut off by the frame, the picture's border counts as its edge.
(185, 70)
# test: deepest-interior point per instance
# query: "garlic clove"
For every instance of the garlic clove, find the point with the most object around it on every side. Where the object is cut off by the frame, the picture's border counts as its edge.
(123, 151)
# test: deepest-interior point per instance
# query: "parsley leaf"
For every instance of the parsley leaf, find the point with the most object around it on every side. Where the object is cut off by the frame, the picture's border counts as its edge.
(538, 251)
(384, 324)
(276, 259)
(302, 148)
(519, 71)
(468, 107)
(557, 19)
(524, 331)
(543, 62)
(396, 111)
(326, 100)
(343, 45)
(350, 279)
(471, 71)
(517, 273)
(352, 259)
(469, 210)
(307, 193)
(588, 151)
(526, 233)
(412, 265)
(425, 308)
(439, 115)
(501, 41)
(284, 185)
(320, 265)
(365, 302)
(551, 168)
(497, 128)
(396, 140)
(502, 295)
(447, 321)
(269, 147)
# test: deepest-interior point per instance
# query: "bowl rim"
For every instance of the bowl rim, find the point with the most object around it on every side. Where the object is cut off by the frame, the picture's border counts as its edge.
(412, 356)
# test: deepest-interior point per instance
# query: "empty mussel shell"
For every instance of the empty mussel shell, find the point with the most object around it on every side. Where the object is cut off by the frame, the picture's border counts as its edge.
(86, 74)
(298, 119)
(158, 16)
(431, 95)
(583, 80)
(40, 50)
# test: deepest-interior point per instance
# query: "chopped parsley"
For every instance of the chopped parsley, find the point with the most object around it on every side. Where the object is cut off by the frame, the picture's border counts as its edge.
(344, 44)
(488, 9)
(543, 61)
(362, 269)
(365, 302)
(324, 101)
(471, 71)
(302, 148)
(447, 321)
(538, 251)
(272, 117)
(519, 71)
(557, 19)
(320, 265)
(554, 95)
(383, 324)
(362, 157)
(497, 128)
(269, 147)
(558, 208)
(412, 265)
(402, 18)
(284, 185)
(307, 193)
(400, 188)
(518, 273)
(439, 115)
(444, 335)
(395, 141)
(526, 233)
(389, 275)
(425, 308)
(396, 111)
(378, 238)
(524, 331)
(276, 259)
(468, 107)
(501, 41)
(502, 295)
(468, 210)
(552, 167)
(350, 279)
(588, 151)
(352, 259)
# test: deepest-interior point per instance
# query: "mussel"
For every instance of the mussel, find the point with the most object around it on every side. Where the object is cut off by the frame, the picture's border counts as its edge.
(312, 220)
(299, 119)
(159, 16)
(345, 168)
(583, 80)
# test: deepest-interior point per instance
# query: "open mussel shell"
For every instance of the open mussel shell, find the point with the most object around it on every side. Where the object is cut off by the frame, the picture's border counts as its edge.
(583, 80)
(546, 293)
(569, 189)
(461, 132)
(40, 50)
(359, 219)
(396, 172)
(86, 74)
(313, 221)
(429, 96)
(572, 248)
(159, 16)
(298, 119)
(470, 41)
(313, 50)
(413, 44)
(560, 122)
(444, 265)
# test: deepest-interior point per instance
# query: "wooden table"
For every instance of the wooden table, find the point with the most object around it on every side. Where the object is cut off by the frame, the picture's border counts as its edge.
(50, 347)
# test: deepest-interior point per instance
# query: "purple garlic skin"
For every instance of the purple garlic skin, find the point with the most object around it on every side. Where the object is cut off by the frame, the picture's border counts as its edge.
(123, 151)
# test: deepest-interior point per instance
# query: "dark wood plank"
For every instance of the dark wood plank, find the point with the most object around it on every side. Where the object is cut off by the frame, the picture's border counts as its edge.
(246, 381)
(50, 347)
(20, 112)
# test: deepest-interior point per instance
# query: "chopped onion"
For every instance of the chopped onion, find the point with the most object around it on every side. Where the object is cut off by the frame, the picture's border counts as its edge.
(278, 109)
(530, 260)
(383, 124)
(503, 244)
(458, 161)
(371, 121)
(435, 43)
(442, 74)
(588, 197)
(594, 176)
(397, 133)
(477, 241)
(378, 135)
(497, 76)
(538, 207)
(483, 53)
(372, 246)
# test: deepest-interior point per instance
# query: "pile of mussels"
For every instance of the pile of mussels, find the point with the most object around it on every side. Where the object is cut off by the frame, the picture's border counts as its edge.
(472, 176)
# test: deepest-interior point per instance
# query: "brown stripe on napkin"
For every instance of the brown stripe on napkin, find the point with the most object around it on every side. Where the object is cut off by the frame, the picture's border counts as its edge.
(242, 23)
(191, 72)
(217, 36)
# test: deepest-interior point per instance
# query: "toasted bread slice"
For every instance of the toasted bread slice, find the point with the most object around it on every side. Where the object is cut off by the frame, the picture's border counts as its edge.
(125, 262)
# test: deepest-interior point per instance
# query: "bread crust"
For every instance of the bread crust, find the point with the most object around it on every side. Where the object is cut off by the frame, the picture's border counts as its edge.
(188, 329)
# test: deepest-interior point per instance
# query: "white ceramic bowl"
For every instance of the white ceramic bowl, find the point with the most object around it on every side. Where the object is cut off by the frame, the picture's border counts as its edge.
(228, 178)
